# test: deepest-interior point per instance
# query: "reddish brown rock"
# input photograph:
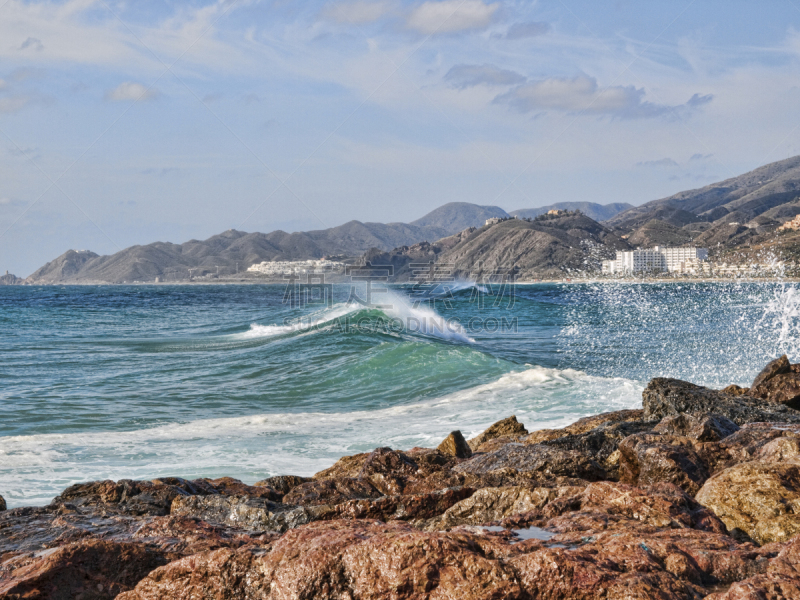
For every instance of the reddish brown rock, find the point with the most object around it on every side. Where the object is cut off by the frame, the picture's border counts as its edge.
(780, 582)
(537, 459)
(282, 484)
(455, 445)
(780, 389)
(93, 569)
(646, 459)
(2, 503)
(585, 425)
(703, 428)
(778, 366)
(331, 491)
(508, 428)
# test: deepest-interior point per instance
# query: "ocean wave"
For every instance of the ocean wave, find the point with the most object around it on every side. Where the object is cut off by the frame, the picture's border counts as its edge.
(261, 445)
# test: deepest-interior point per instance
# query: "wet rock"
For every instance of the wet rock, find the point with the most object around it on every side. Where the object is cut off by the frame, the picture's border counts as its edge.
(666, 564)
(756, 500)
(2, 503)
(708, 428)
(245, 512)
(493, 504)
(585, 425)
(779, 450)
(406, 507)
(537, 458)
(663, 505)
(507, 428)
(93, 569)
(430, 461)
(646, 459)
(780, 582)
(778, 366)
(331, 491)
(735, 390)
(282, 484)
(340, 559)
(780, 389)
(455, 445)
(228, 486)
(669, 397)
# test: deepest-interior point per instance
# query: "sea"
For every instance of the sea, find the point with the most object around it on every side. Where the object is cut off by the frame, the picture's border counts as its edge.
(250, 381)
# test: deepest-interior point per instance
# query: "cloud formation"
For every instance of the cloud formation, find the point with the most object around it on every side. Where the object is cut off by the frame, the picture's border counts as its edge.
(520, 31)
(32, 43)
(450, 16)
(582, 94)
(359, 12)
(13, 104)
(131, 91)
(662, 162)
(466, 76)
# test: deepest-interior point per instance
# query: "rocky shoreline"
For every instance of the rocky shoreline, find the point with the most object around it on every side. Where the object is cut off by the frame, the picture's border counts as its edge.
(696, 495)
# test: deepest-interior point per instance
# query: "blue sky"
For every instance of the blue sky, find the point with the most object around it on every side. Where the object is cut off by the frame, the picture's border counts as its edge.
(129, 122)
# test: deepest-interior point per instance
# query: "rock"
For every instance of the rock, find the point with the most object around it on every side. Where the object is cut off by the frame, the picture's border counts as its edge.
(247, 513)
(228, 486)
(406, 507)
(538, 458)
(509, 427)
(758, 500)
(380, 461)
(585, 425)
(93, 569)
(778, 366)
(493, 504)
(670, 397)
(663, 505)
(2, 503)
(455, 445)
(496, 443)
(780, 389)
(708, 428)
(780, 582)
(646, 459)
(331, 491)
(747, 444)
(282, 484)
(735, 390)
(340, 559)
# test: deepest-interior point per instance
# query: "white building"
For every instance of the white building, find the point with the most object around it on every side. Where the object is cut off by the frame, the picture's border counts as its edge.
(656, 260)
(280, 267)
(492, 221)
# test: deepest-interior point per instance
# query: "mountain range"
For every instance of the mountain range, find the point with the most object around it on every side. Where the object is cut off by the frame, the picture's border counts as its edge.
(734, 218)
(232, 251)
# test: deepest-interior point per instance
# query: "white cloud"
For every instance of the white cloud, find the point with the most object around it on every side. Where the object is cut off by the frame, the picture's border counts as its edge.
(582, 94)
(450, 16)
(465, 76)
(359, 12)
(131, 91)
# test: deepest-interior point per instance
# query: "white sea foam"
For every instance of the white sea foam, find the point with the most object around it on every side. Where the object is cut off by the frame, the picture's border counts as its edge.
(35, 468)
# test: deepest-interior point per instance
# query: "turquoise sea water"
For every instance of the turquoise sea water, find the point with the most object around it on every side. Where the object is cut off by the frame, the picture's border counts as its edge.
(145, 381)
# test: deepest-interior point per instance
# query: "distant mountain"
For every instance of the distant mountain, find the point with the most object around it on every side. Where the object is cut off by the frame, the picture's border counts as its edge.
(598, 212)
(538, 249)
(233, 251)
(772, 190)
(10, 279)
(458, 216)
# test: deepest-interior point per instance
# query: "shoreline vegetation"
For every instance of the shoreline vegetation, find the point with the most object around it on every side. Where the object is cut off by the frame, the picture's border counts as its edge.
(695, 495)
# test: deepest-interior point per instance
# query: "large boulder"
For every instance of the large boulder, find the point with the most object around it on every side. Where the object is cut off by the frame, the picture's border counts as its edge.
(507, 428)
(282, 484)
(493, 504)
(91, 570)
(646, 459)
(2, 503)
(670, 397)
(537, 458)
(331, 491)
(780, 389)
(703, 428)
(756, 500)
(255, 514)
(780, 582)
(455, 445)
(779, 366)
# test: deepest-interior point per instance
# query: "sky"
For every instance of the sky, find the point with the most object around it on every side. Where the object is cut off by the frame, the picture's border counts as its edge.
(125, 122)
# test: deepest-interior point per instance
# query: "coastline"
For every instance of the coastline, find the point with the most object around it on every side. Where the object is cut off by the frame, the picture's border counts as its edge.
(673, 500)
